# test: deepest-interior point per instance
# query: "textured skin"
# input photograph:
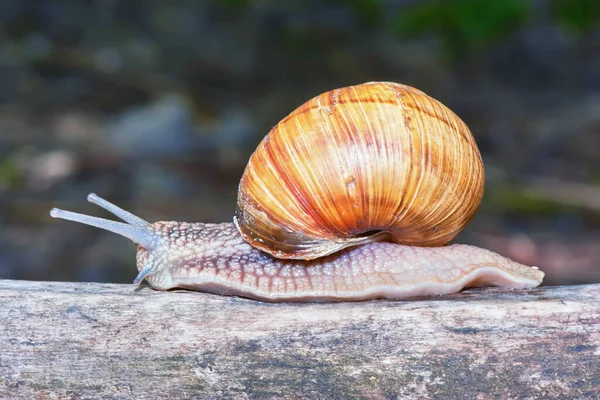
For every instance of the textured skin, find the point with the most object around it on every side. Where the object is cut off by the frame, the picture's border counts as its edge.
(214, 258)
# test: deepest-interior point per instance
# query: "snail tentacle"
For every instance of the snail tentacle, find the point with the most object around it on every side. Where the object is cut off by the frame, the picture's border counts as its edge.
(144, 273)
(133, 229)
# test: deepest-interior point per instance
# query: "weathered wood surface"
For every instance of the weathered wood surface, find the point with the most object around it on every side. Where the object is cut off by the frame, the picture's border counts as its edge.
(68, 340)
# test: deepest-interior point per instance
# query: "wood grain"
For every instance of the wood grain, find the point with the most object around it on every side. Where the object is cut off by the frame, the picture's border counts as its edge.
(78, 341)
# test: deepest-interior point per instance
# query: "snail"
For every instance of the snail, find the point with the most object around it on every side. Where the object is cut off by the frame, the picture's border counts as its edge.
(353, 196)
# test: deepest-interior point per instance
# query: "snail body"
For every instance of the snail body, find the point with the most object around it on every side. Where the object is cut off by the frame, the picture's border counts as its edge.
(351, 197)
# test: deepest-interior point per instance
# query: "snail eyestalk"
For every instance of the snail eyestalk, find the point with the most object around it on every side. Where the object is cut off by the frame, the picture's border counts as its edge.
(117, 211)
(136, 229)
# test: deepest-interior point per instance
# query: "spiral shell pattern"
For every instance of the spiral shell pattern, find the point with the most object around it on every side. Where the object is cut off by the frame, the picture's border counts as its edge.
(376, 161)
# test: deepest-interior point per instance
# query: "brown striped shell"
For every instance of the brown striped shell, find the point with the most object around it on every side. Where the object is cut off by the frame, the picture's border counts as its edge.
(377, 161)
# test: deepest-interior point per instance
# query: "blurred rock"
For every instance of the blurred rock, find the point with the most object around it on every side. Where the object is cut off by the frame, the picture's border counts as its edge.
(48, 168)
(78, 127)
(162, 128)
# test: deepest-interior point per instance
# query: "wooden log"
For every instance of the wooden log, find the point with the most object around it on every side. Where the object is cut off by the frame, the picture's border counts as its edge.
(79, 340)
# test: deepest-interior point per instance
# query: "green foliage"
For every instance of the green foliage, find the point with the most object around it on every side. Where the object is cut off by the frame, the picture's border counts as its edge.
(463, 25)
(519, 200)
(236, 4)
(9, 174)
(370, 12)
(577, 16)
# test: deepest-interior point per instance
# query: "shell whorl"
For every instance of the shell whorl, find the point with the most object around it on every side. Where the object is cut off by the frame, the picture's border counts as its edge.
(357, 164)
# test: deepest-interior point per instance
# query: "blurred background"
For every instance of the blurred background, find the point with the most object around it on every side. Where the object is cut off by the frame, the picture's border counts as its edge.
(157, 105)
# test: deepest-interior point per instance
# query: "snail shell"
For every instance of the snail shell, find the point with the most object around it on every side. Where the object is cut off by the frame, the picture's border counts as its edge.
(376, 161)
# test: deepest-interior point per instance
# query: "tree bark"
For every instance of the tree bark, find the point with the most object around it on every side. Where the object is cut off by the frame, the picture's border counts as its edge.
(78, 340)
